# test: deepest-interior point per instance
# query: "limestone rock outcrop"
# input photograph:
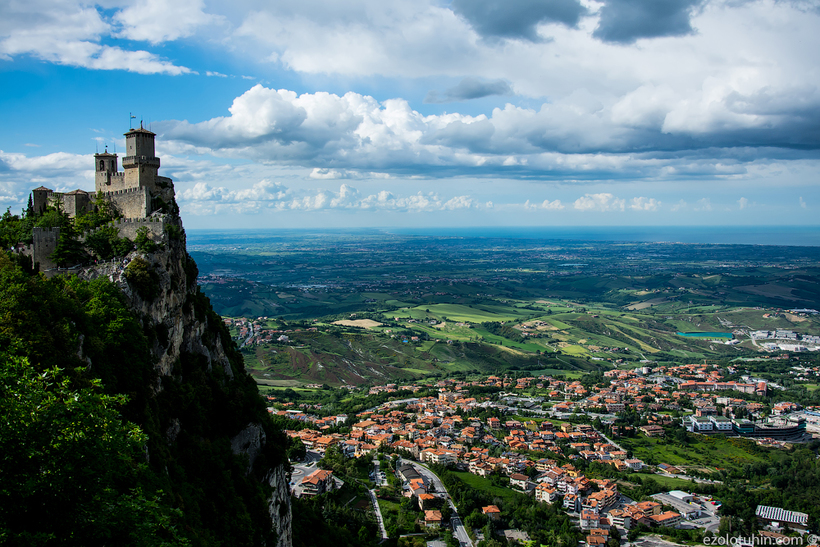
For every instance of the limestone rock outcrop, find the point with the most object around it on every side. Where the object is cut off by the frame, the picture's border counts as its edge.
(184, 326)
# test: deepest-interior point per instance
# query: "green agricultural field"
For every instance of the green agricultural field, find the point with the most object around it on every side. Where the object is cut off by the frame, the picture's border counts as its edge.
(506, 342)
(686, 354)
(670, 483)
(702, 451)
(297, 278)
(485, 485)
(460, 313)
(575, 350)
(556, 323)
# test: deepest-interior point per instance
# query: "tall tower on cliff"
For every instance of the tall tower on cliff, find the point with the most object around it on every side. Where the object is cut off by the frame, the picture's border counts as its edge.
(138, 190)
(140, 165)
(105, 167)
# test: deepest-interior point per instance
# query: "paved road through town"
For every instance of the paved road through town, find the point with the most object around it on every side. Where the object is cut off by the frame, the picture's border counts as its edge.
(246, 340)
(378, 512)
(303, 469)
(459, 530)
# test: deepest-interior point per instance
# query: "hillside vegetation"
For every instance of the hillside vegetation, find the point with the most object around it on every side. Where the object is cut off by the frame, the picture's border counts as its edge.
(97, 449)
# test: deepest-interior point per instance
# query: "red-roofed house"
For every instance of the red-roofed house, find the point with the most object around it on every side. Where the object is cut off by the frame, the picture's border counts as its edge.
(318, 482)
(491, 511)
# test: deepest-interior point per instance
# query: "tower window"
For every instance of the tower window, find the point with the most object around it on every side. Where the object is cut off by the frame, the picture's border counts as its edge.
(102, 165)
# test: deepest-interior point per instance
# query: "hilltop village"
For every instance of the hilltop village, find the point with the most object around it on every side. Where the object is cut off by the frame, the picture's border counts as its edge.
(584, 447)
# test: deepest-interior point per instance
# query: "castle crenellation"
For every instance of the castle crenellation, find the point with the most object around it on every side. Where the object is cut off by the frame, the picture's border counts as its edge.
(119, 192)
(128, 227)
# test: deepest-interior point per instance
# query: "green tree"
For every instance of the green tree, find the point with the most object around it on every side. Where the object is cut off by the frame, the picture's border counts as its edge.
(143, 278)
(106, 243)
(144, 242)
(68, 465)
(296, 450)
(102, 212)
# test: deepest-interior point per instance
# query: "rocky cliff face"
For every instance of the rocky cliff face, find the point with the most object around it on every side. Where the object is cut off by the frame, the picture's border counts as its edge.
(193, 352)
(279, 505)
(174, 275)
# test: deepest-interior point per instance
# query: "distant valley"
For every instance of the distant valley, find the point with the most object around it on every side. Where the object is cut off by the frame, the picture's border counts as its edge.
(343, 308)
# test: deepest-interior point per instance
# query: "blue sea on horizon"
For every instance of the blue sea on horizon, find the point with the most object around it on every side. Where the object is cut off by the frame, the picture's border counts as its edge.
(801, 236)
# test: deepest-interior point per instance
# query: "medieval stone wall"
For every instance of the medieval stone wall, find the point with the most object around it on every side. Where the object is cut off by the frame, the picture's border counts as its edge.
(132, 203)
(45, 242)
(110, 182)
(128, 227)
(75, 203)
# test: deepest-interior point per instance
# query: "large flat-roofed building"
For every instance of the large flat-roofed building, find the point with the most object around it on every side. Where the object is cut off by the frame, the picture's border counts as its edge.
(687, 510)
(407, 473)
(720, 423)
(681, 495)
(700, 423)
(793, 428)
(781, 518)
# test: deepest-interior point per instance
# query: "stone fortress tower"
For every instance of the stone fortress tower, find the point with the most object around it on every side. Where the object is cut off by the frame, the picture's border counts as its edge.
(137, 192)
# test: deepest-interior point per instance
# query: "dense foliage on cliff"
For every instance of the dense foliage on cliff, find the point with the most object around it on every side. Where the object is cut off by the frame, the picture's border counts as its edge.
(104, 243)
(87, 456)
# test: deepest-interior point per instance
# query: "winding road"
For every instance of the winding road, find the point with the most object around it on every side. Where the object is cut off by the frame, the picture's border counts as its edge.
(459, 530)
(378, 513)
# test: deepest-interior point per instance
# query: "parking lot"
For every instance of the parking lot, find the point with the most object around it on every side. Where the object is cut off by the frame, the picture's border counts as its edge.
(303, 469)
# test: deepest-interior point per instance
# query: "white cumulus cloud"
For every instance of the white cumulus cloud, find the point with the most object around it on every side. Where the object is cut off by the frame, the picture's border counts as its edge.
(69, 33)
(704, 204)
(554, 205)
(158, 21)
(644, 204)
(600, 202)
(354, 135)
(202, 199)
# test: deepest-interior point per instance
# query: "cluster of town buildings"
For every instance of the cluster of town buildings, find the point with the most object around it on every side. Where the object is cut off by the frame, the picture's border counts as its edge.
(252, 333)
(444, 430)
(786, 340)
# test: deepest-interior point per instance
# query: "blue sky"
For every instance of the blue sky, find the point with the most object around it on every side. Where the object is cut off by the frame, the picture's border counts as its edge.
(363, 113)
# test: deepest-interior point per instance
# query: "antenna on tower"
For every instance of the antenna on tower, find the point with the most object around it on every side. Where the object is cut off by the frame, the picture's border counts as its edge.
(131, 117)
